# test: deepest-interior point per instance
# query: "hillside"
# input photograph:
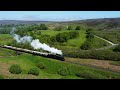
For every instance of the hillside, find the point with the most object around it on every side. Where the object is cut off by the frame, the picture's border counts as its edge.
(86, 21)
(85, 49)
(16, 22)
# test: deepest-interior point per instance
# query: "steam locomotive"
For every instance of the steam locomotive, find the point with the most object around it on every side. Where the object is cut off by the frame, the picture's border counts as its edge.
(48, 55)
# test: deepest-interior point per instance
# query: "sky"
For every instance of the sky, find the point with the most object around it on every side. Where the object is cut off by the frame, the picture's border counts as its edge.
(56, 15)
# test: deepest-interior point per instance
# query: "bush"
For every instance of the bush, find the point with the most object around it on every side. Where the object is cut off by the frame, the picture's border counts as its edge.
(58, 28)
(86, 45)
(34, 71)
(117, 48)
(1, 77)
(69, 28)
(73, 34)
(40, 65)
(95, 54)
(77, 28)
(15, 69)
(65, 36)
(62, 37)
(64, 71)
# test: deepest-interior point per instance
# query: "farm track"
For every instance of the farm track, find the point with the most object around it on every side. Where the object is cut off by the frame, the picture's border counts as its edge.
(107, 47)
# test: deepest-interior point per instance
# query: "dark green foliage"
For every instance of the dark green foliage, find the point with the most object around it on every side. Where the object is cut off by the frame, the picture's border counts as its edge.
(44, 38)
(15, 69)
(58, 28)
(65, 36)
(117, 48)
(95, 54)
(43, 27)
(64, 71)
(34, 29)
(62, 37)
(1, 77)
(89, 30)
(90, 75)
(5, 30)
(77, 28)
(40, 65)
(34, 71)
(73, 34)
(53, 39)
(90, 33)
(69, 28)
(86, 45)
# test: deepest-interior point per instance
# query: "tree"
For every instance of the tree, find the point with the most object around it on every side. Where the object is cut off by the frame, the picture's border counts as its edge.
(86, 45)
(58, 28)
(117, 48)
(43, 27)
(77, 28)
(73, 34)
(69, 28)
(62, 37)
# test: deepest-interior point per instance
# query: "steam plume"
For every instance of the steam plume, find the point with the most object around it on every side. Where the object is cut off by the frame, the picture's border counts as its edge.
(36, 44)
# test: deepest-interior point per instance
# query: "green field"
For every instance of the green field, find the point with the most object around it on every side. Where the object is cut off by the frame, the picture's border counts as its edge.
(52, 67)
(27, 61)
(71, 43)
(113, 35)
(5, 38)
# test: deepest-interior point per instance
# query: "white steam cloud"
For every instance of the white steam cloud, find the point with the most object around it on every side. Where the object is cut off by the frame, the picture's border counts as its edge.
(23, 39)
(36, 44)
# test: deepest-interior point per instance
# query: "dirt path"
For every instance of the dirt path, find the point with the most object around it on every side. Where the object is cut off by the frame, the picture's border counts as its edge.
(105, 40)
(107, 47)
(98, 64)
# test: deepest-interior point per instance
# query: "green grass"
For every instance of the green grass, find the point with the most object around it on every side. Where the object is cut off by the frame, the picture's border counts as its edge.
(6, 52)
(27, 61)
(77, 42)
(117, 63)
(98, 43)
(113, 36)
(72, 43)
(5, 38)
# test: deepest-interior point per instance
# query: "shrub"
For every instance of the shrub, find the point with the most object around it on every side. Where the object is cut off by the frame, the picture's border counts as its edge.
(64, 71)
(62, 37)
(77, 28)
(117, 48)
(1, 77)
(15, 69)
(86, 45)
(69, 28)
(34, 71)
(73, 34)
(95, 54)
(40, 65)
(58, 28)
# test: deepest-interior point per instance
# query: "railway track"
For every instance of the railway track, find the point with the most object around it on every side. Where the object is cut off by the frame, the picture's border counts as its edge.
(95, 67)
(48, 55)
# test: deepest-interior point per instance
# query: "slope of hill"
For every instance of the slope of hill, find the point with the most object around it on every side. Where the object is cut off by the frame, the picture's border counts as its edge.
(86, 21)
(20, 22)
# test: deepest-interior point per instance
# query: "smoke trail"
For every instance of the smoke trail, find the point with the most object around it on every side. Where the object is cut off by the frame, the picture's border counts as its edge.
(36, 44)
(23, 39)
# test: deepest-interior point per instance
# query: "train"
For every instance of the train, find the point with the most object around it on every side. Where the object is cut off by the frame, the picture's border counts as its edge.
(48, 55)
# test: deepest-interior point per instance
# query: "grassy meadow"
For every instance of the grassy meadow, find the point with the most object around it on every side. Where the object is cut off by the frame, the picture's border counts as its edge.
(52, 67)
